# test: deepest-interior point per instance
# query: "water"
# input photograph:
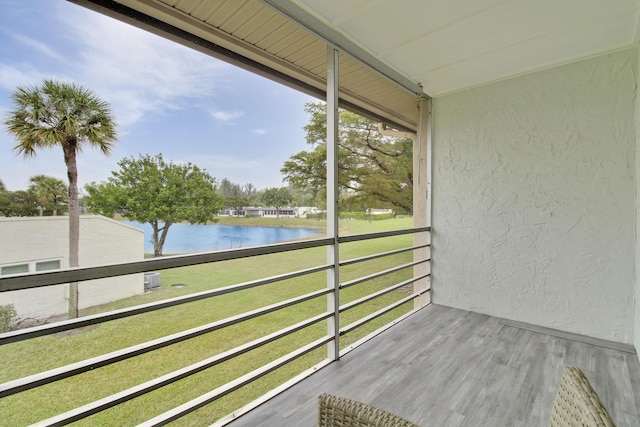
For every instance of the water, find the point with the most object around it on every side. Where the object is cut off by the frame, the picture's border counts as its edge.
(189, 238)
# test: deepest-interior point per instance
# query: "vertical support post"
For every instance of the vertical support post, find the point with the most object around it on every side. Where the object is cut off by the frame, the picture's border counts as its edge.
(333, 275)
(422, 198)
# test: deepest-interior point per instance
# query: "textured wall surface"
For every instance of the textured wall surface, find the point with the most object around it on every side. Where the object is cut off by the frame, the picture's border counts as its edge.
(102, 241)
(533, 198)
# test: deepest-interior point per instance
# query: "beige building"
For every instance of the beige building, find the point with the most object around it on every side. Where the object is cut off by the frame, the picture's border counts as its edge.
(42, 243)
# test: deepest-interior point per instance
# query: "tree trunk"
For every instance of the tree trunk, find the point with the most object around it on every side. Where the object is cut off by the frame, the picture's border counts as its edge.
(74, 222)
(163, 237)
(159, 236)
(157, 249)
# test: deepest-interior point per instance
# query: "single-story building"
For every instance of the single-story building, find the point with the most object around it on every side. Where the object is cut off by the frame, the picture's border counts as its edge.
(270, 212)
(372, 211)
(31, 244)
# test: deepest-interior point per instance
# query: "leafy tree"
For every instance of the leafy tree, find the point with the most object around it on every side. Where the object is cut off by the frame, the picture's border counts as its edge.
(18, 203)
(66, 115)
(249, 189)
(236, 203)
(301, 197)
(307, 171)
(256, 198)
(228, 188)
(373, 167)
(50, 192)
(251, 193)
(161, 193)
(277, 197)
(4, 199)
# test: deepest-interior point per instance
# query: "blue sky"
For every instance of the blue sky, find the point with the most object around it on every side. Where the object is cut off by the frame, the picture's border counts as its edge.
(166, 98)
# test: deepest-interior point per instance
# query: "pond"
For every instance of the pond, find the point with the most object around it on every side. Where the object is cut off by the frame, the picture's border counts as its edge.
(189, 238)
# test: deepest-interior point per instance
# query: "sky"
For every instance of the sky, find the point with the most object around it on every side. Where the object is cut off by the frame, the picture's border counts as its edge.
(166, 98)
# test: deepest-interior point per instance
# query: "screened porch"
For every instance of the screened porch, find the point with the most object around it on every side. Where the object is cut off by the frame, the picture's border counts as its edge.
(523, 254)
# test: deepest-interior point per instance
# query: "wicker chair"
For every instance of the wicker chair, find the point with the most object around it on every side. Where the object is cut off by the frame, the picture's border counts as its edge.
(577, 404)
(341, 412)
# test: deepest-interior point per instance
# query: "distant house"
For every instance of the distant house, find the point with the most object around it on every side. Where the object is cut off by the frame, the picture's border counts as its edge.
(231, 212)
(269, 212)
(42, 243)
(372, 211)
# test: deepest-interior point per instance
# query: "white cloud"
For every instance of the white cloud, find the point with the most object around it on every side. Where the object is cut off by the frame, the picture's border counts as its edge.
(260, 132)
(40, 47)
(226, 116)
(21, 74)
(15, 170)
(239, 170)
(137, 72)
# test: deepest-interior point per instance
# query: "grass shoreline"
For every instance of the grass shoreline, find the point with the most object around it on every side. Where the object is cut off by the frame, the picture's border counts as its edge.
(270, 222)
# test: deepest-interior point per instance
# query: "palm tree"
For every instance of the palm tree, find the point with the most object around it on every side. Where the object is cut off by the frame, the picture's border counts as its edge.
(66, 115)
(49, 191)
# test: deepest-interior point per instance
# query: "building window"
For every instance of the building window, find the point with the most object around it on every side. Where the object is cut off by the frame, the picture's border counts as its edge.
(48, 265)
(14, 269)
(29, 267)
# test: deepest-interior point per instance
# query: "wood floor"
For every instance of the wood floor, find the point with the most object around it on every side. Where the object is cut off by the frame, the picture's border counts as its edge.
(449, 367)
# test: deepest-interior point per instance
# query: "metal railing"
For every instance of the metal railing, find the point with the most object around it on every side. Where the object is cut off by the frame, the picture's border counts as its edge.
(49, 278)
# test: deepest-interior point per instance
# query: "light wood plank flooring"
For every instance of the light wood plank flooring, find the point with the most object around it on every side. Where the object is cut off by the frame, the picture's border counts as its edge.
(450, 367)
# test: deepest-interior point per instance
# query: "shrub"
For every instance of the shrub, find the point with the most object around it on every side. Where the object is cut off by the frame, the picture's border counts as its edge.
(317, 216)
(8, 317)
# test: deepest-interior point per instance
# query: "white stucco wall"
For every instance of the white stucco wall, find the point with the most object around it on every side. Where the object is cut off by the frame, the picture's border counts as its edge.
(533, 198)
(102, 241)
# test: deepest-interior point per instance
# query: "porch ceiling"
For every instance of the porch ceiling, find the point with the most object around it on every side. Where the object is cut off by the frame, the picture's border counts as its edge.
(453, 45)
(442, 45)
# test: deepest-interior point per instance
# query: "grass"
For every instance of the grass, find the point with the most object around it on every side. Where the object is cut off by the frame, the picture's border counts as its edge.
(33, 356)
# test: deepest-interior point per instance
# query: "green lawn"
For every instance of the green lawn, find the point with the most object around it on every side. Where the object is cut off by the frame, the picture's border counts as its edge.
(36, 355)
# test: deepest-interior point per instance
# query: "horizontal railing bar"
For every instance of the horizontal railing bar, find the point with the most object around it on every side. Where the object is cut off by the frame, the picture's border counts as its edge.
(37, 331)
(380, 312)
(381, 292)
(80, 274)
(381, 254)
(381, 273)
(32, 381)
(209, 397)
(367, 236)
(149, 386)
